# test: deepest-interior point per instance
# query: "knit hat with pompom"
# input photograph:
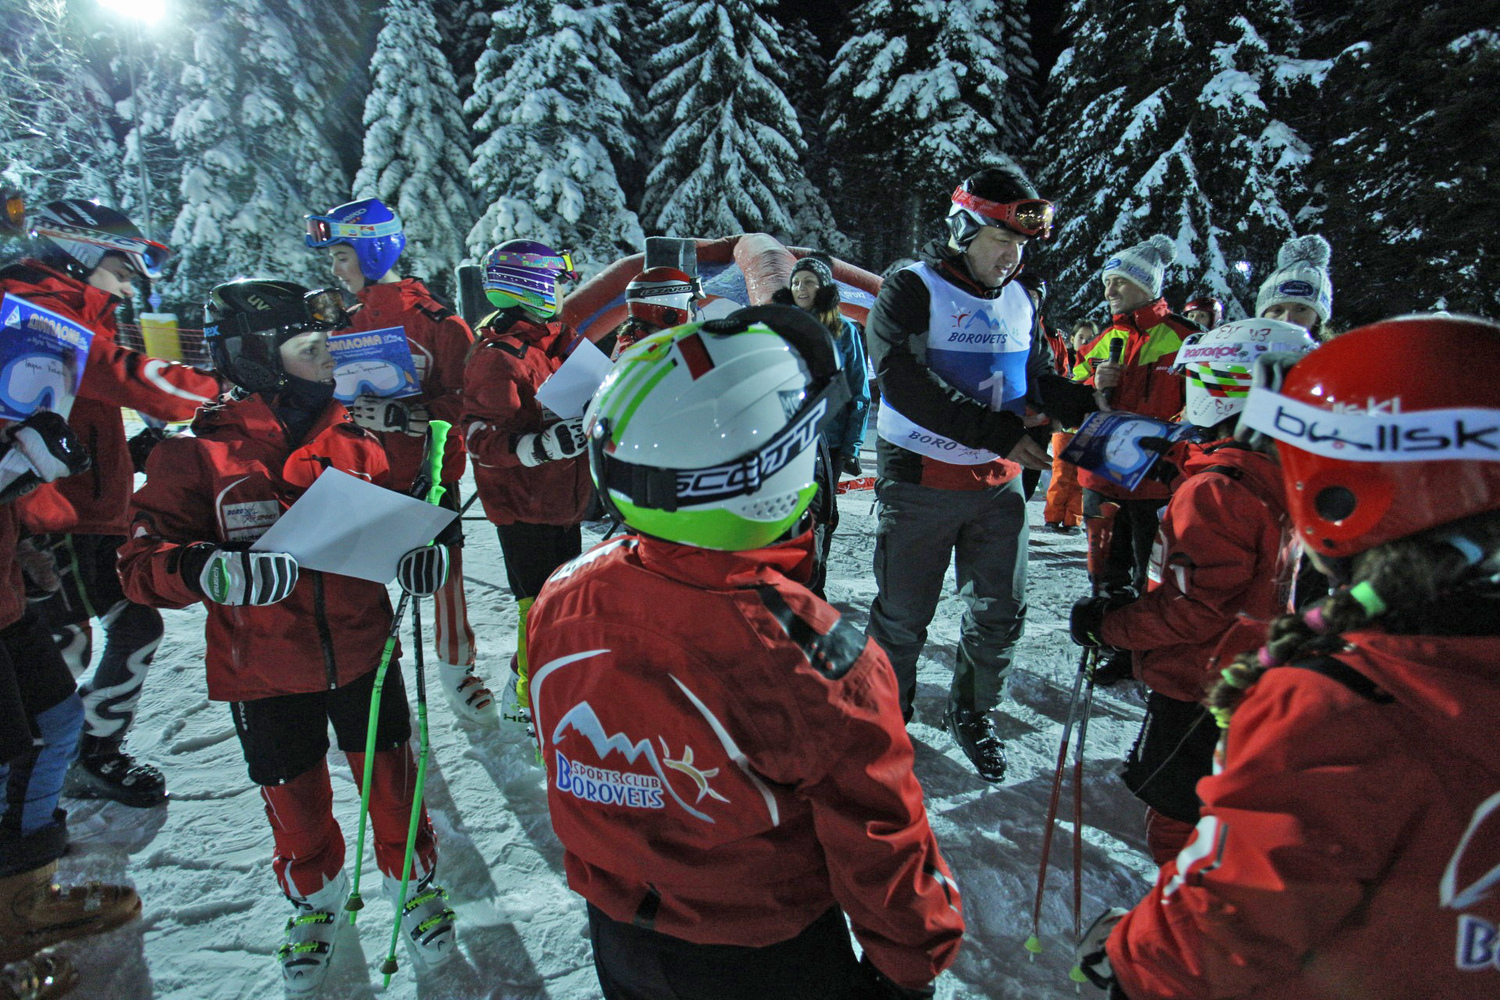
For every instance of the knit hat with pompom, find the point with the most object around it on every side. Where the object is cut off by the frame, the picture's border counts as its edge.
(1301, 276)
(1143, 264)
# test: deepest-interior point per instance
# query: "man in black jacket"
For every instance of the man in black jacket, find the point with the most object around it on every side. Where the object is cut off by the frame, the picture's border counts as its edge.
(959, 357)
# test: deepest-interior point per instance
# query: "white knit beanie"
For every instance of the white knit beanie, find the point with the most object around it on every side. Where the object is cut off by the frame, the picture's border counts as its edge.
(1143, 264)
(1301, 276)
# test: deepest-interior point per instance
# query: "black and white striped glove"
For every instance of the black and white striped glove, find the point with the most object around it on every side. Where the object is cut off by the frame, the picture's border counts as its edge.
(225, 576)
(423, 570)
(564, 439)
(390, 416)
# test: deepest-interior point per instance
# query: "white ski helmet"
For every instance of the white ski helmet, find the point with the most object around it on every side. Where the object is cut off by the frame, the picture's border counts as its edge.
(707, 434)
(1219, 364)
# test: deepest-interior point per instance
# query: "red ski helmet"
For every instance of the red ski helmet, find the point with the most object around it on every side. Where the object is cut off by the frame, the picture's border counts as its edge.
(1209, 304)
(1379, 438)
(662, 296)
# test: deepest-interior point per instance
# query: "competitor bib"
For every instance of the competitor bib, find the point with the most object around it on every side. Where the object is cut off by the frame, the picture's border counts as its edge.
(978, 346)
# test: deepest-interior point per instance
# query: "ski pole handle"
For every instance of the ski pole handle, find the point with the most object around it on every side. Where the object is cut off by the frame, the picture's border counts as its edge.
(437, 442)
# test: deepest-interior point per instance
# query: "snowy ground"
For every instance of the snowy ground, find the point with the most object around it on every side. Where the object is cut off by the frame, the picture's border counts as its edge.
(213, 915)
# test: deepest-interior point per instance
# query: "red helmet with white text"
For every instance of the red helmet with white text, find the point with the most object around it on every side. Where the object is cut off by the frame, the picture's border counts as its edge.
(662, 296)
(1379, 436)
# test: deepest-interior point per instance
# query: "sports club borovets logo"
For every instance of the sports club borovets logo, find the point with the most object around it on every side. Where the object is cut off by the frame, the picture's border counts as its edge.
(1471, 879)
(632, 789)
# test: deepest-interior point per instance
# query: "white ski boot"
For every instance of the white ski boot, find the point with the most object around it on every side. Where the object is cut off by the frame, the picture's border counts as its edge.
(426, 922)
(472, 702)
(310, 934)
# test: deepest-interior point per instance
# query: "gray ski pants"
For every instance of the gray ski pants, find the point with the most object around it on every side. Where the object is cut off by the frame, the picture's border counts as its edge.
(983, 533)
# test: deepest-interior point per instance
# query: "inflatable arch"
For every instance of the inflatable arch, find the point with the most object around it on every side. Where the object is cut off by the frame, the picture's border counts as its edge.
(736, 271)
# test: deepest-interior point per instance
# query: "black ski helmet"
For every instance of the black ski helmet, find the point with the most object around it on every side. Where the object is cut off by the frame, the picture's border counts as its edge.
(73, 235)
(1001, 185)
(246, 322)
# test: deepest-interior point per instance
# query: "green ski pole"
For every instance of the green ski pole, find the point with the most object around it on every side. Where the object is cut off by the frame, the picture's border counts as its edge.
(427, 486)
(439, 430)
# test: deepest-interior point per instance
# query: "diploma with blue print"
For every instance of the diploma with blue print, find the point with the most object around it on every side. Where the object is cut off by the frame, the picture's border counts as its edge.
(373, 363)
(1109, 445)
(42, 356)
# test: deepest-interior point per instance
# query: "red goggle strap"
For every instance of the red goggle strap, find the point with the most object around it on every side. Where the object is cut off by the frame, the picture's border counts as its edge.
(1006, 212)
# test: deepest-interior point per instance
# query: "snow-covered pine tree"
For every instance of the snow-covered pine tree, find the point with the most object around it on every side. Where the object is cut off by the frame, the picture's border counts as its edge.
(551, 100)
(922, 94)
(256, 134)
(813, 223)
(730, 153)
(416, 148)
(464, 27)
(1407, 161)
(57, 120)
(1163, 118)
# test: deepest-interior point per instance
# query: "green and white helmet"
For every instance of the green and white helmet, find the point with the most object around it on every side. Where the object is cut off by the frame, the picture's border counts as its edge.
(707, 434)
(1219, 363)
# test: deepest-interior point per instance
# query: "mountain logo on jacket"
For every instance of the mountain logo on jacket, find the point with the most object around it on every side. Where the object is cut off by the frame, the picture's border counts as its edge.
(631, 789)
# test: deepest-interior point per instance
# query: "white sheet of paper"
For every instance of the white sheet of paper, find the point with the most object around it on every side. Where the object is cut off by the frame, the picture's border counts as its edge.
(568, 391)
(345, 525)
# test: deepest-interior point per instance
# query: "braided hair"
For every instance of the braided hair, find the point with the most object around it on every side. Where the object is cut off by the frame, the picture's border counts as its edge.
(1435, 582)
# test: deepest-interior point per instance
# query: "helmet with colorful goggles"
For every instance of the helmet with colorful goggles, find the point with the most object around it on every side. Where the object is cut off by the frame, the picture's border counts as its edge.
(1218, 364)
(1029, 216)
(525, 273)
(84, 232)
(368, 227)
(1376, 437)
(246, 322)
(707, 434)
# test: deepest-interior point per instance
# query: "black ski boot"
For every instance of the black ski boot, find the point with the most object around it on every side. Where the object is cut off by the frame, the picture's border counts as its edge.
(104, 770)
(975, 733)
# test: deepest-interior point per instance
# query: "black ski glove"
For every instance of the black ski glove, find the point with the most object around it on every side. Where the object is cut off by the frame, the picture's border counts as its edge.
(40, 449)
(1161, 470)
(1119, 667)
(1087, 619)
(882, 987)
(851, 465)
(143, 443)
(1090, 956)
(423, 570)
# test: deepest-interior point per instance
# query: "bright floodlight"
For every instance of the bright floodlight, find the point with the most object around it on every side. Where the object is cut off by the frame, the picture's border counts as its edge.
(148, 11)
(1242, 266)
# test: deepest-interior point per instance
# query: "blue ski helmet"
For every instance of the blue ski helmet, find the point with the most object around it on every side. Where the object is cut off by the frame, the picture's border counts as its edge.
(369, 227)
(524, 273)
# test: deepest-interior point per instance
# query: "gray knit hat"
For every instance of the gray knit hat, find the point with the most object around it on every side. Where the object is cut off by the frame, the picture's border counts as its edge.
(1143, 264)
(1301, 276)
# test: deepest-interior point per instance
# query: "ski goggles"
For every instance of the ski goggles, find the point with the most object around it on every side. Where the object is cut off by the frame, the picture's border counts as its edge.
(35, 382)
(367, 378)
(319, 309)
(323, 231)
(146, 256)
(1030, 216)
(502, 261)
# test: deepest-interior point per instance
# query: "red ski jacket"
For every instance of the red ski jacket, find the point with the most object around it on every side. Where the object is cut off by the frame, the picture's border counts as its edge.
(1151, 334)
(725, 756)
(1221, 569)
(228, 484)
(114, 377)
(1350, 844)
(513, 357)
(439, 342)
